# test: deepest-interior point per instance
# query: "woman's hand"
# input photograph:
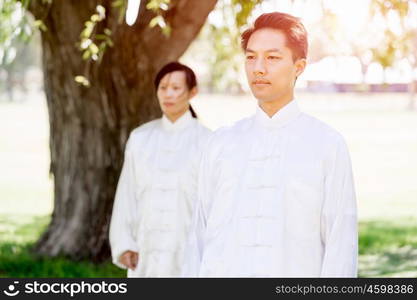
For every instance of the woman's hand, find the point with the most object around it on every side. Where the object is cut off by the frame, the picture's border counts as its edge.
(129, 259)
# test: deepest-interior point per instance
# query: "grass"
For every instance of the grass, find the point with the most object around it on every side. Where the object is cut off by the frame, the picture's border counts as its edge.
(18, 235)
(375, 236)
(387, 248)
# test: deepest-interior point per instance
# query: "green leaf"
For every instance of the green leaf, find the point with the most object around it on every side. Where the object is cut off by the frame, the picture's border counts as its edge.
(110, 42)
(95, 18)
(122, 6)
(88, 30)
(93, 48)
(82, 80)
(107, 31)
(86, 54)
(118, 3)
(25, 3)
(85, 43)
(102, 47)
(152, 5)
(41, 25)
(166, 30)
(89, 24)
(156, 21)
(101, 11)
(156, 5)
(101, 37)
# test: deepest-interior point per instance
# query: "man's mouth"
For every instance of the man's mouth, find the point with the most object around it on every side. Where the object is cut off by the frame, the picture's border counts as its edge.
(260, 82)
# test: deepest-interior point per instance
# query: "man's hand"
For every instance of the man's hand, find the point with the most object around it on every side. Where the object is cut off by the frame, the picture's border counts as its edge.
(129, 259)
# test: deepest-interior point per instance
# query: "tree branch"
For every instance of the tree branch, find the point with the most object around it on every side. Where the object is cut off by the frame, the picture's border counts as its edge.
(38, 8)
(186, 17)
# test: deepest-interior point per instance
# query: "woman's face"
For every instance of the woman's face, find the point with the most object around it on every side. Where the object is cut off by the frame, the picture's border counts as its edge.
(173, 95)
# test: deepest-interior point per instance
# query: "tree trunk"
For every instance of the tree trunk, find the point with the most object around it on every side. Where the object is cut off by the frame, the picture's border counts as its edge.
(90, 125)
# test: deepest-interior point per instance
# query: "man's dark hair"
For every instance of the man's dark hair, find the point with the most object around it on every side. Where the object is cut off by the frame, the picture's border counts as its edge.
(292, 28)
(190, 77)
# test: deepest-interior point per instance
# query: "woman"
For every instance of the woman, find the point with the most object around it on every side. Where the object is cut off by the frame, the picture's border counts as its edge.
(158, 185)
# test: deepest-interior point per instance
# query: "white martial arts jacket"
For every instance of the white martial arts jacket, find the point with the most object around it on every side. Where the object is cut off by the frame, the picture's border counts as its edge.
(276, 199)
(156, 195)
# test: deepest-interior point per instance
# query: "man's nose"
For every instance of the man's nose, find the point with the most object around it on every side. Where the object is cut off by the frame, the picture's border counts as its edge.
(259, 68)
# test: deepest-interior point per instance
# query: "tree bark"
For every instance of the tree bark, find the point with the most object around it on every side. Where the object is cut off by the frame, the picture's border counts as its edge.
(90, 125)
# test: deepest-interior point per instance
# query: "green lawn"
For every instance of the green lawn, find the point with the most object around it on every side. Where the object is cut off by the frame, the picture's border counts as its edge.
(381, 135)
(386, 248)
(18, 234)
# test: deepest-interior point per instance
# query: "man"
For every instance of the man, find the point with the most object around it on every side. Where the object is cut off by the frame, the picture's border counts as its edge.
(276, 194)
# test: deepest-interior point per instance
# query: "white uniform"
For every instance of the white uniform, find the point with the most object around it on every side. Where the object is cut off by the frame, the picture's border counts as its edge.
(276, 199)
(156, 195)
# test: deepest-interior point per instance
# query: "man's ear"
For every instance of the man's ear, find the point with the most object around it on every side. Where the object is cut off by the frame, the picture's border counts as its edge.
(193, 92)
(300, 65)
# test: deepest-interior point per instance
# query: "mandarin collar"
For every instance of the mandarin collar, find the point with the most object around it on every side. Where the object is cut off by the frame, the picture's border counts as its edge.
(286, 114)
(179, 124)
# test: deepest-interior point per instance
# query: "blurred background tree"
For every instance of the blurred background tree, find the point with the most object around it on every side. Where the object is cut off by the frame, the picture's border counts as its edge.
(400, 44)
(219, 44)
(17, 55)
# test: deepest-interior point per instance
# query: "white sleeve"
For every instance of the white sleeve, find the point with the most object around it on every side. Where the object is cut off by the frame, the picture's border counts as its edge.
(339, 216)
(195, 244)
(124, 211)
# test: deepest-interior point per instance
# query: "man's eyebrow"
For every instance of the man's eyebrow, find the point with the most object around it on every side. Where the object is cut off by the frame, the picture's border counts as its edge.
(268, 50)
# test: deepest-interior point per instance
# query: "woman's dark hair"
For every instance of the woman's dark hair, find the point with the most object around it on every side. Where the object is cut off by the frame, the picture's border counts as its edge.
(190, 77)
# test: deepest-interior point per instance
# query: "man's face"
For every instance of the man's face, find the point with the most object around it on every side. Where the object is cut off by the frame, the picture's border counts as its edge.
(173, 94)
(270, 68)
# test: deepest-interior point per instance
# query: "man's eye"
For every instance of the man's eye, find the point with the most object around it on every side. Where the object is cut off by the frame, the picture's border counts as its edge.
(273, 57)
(250, 57)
